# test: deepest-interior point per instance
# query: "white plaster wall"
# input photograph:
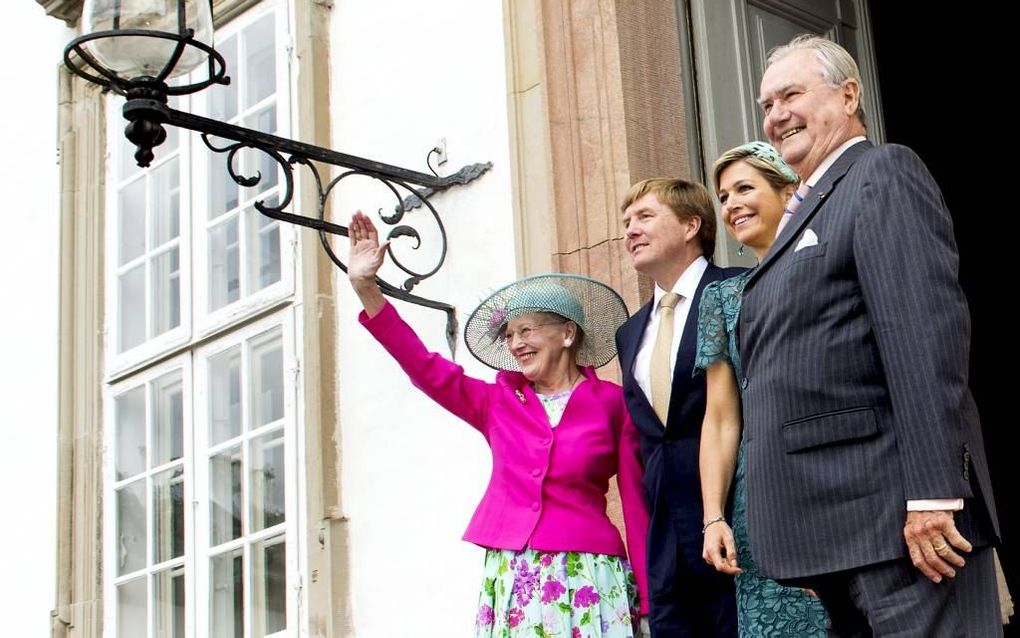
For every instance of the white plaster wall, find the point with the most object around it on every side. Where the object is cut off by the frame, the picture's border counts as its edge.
(406, 73)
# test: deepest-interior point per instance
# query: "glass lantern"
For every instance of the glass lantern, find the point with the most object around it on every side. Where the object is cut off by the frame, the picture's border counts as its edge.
(140, 38)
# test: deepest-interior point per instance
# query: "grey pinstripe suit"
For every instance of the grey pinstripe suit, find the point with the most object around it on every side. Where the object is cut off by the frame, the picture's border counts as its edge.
(856, 393)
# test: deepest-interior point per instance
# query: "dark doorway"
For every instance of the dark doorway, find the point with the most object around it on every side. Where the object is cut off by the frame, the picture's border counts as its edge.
(943, 92)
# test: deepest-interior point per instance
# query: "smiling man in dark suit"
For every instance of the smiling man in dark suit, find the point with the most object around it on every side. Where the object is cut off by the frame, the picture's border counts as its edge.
(866, 473)
(670, 227)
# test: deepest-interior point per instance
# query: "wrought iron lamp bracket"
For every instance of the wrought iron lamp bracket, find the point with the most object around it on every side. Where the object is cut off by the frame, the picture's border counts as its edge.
(148, 112)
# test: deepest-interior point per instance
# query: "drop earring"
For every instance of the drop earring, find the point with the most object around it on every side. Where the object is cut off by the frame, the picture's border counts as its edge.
(740, 250)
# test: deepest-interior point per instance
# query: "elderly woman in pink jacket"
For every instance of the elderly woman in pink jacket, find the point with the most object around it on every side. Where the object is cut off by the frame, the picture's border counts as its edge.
(555, 564)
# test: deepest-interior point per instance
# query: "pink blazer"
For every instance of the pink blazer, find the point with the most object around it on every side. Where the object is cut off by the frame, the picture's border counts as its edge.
(548, 485)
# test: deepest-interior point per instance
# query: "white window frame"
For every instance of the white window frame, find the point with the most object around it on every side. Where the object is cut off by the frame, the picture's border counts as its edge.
(187, 347)
(284, 321)
(111, 483)
(196, 321)
(118, 362)
(209, 322)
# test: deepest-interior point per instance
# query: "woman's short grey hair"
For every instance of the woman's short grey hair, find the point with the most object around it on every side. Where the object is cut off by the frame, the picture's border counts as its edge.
(837, 64)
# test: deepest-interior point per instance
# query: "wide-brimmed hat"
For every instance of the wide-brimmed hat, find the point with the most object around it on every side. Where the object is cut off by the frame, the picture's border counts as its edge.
(595, 307)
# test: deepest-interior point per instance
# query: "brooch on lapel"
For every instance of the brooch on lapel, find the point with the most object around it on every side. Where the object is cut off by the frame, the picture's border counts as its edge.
(520, 395)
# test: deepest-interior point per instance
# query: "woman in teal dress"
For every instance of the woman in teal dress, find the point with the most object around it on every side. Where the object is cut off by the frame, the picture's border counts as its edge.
(753, 184)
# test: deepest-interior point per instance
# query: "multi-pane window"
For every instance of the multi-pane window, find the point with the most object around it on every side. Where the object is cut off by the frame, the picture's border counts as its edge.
(187, 251)
(146, 254)
(220, 564)
(246, 469)
(147, 543)
(244, 247)
(199, 494)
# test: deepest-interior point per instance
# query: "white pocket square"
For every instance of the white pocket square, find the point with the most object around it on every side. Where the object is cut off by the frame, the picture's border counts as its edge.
(809, 238)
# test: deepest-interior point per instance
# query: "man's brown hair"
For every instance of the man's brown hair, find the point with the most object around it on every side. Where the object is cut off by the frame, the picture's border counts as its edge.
(686, 199)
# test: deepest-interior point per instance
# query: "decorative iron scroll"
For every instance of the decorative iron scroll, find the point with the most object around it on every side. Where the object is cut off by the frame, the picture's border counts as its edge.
(287, 154)
(147, 113)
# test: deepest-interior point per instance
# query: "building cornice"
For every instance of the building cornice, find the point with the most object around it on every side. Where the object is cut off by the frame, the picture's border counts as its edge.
(67, 10)
(223, 10)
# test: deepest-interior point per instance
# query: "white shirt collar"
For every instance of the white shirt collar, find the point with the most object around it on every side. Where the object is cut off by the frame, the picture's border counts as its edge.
(831, 158)
(687, 285)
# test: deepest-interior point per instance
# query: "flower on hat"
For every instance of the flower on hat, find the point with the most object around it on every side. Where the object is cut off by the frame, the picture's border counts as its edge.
(496, 321)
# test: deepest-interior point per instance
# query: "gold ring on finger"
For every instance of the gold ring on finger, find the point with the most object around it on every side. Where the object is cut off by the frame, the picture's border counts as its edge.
(941, 548)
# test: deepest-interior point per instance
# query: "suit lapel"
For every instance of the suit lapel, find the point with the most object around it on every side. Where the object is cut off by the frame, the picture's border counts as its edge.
(816, 197)
(630, 340)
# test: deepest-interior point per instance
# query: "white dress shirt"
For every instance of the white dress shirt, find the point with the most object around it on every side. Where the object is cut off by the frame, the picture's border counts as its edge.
(686, 286)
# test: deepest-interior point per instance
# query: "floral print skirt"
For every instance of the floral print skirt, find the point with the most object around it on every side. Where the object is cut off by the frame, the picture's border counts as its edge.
(563, 594)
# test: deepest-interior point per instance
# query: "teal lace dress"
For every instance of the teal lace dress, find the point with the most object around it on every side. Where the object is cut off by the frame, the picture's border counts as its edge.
(764, 607)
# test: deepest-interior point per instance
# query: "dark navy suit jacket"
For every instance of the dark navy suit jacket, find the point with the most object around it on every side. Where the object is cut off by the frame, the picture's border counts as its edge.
(670, 454)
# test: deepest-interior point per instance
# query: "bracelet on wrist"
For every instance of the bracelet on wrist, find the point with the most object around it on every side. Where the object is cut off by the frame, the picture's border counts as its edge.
(711, 521)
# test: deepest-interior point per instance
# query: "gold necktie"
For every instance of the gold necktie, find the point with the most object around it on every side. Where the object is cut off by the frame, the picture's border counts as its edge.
(661, 372)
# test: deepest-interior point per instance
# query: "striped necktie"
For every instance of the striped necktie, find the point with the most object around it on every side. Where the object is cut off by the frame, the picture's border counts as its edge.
(793, 205)
(661, 371)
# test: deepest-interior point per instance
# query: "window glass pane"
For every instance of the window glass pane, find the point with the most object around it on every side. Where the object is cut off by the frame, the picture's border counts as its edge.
(131, 221)
(267, 247)
(269, 253)
(131, 527)
(225, 496)
(265, 121)
(223, 99)
(131, 609)
(168, 514)
(269, 573)
(166, 291)
(267, 486)
(130, 433)
(267, 382)
(224, 264)
(167, 419)
(132, 308)
(165, 188)
(168, 598)
(226, 595)
(225, 395)
(260, 62)
(223, 192)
